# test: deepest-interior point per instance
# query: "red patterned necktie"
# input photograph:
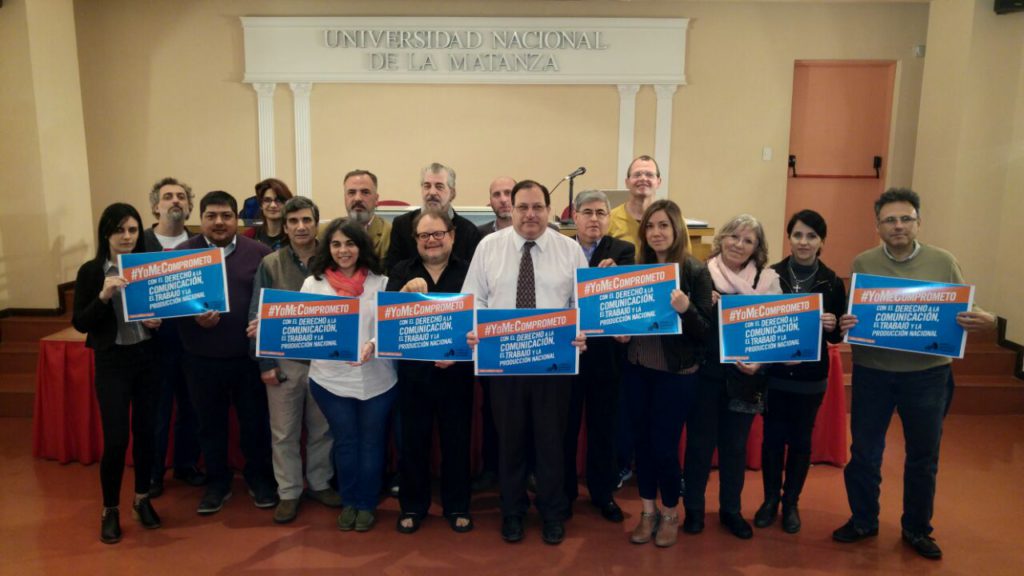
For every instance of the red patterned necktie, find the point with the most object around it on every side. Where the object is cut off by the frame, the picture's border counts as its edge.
(526, 291)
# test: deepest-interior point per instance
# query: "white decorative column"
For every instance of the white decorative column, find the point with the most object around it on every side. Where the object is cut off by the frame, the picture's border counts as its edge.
(627, 125)
(265, 92)
(663, 133)
(303, 149)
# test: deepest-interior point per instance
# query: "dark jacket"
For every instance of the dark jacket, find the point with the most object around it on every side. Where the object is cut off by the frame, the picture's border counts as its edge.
(601, 360)
(151, 243)
(686, 349)
(92, 316)
(403, 245)
(833, 299)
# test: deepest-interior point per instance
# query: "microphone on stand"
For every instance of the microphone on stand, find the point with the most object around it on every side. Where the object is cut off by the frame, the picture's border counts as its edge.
(570, 176)
(577, 172)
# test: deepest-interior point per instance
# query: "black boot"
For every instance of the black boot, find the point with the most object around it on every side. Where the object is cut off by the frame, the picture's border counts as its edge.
(797, 466)
(771, 475)
(110, 526)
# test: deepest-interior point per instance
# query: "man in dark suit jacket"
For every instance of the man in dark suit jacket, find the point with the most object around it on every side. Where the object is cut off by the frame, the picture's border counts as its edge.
(597, 386)
(437, 184)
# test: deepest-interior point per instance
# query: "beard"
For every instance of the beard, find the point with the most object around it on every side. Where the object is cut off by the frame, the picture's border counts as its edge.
(177, 215)
(360, 217)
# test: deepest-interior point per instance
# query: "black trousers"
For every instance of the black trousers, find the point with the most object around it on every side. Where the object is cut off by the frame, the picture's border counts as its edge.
(215, 384)
(489, 435)
(127, 387)
(598, 394)
(789, 420)
(712, 424)
(446, 394)
(542, 403)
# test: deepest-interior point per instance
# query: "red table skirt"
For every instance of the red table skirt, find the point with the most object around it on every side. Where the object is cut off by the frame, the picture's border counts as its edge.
(67, 427)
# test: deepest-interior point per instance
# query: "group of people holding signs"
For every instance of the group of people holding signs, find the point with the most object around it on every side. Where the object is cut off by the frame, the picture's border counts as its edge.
(622, 314)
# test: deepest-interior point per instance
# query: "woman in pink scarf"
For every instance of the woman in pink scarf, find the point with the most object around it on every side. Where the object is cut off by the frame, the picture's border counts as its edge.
(729, 395)
(355, 397)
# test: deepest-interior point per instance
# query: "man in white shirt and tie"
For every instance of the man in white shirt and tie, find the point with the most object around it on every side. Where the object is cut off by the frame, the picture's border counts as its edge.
(528, 266)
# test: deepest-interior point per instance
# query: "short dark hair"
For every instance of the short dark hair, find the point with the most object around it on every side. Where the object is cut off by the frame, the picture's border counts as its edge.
(811, 219)
(646, 158)
(439, 214)
(360, 172)
(111, 218)
(322, 260)
(297, 203)
(898, 195)
(531, 184)
(218, 198)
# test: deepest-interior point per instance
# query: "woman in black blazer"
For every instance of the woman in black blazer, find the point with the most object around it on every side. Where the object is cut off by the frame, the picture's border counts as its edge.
(126, 381)
(795, 391)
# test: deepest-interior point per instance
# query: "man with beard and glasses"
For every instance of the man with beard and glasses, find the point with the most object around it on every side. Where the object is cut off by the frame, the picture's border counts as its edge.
(437, 185)
(171, 203)
(361, 203)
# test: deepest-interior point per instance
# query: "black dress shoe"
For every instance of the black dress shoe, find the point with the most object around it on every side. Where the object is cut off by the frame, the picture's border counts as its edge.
(790, 519)
(735, 523)
(554, 532)
(110, 526)
(212, 501)
(512, 528)
(765, 515)
(923, 544)
(850, 532)
(611, 512)
(145, 514)
(192, 476)
(693, 523)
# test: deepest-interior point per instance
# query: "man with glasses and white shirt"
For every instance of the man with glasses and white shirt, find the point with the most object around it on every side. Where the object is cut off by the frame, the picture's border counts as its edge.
(917, 386)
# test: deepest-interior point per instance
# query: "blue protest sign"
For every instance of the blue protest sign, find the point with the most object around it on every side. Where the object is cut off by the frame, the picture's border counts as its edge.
(302, 326)
(769, 328)
(909, 315)
(527, 341)
(418, 326)
(628, 300)
(175, 283)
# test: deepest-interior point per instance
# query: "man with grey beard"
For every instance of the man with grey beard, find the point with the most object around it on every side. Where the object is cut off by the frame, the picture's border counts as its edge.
(361, 203)
(171, 203)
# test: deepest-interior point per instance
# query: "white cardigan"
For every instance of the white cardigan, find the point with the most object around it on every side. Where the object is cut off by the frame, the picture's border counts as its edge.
(341, 378)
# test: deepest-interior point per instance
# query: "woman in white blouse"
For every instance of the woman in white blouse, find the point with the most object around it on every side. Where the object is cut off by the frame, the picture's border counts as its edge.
(355, 397)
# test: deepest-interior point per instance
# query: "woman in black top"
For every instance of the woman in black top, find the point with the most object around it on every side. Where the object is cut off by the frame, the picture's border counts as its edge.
(795, 390)
(126, 381)
(660, 375)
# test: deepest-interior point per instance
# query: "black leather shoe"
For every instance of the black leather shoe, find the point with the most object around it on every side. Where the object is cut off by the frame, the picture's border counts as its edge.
(512, 528)
(790, 519)
(923, 544)
(156, 487)
(213, 501)
(735, 523)
(693, 523)
(192, 476)
(611, 512)
(765, 515)
(110, 526)
(145, 514)
(850, 532)
(554, 532)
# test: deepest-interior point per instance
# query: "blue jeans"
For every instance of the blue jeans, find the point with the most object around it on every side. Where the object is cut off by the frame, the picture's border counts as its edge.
(360, 429)
(921, 399)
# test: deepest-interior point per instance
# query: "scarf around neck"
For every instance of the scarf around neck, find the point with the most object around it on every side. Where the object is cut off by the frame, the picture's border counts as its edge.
(344, 285)
(728, 282)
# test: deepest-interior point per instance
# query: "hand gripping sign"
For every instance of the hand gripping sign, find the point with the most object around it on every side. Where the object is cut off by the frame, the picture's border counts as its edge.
(770, 328)
(417, 326)
(527, 341)
(303, 326)
(909, 315)
(175, 283)
(628, 300)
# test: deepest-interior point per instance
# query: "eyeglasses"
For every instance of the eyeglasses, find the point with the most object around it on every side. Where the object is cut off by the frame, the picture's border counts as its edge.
(588, 213)
(643, 174)
(272, 200)
(892, 220)
(424, 236)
